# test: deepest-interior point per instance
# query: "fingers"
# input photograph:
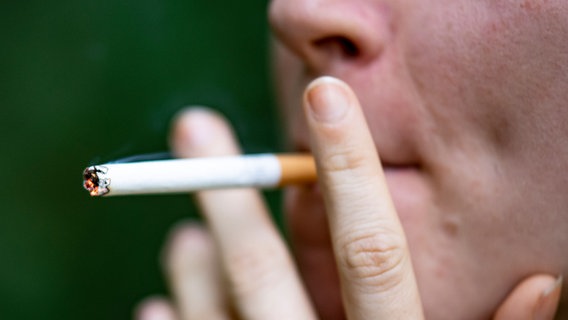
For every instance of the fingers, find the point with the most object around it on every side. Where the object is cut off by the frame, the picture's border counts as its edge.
(261, 275)
(192, 270)
(155, 309)
(369, 243)
(535, 298)
(199, 132)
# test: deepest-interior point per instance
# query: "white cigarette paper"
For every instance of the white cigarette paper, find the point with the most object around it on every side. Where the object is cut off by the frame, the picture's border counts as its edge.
(188, 175)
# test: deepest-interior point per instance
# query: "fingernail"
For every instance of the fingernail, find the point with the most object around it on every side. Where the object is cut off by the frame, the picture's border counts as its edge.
(548, 302)
(200, 127)
(153, 308)
(193, 130)
(327, 99)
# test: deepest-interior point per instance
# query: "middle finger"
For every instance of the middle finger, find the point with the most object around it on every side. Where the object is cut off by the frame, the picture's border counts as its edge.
(260, 271)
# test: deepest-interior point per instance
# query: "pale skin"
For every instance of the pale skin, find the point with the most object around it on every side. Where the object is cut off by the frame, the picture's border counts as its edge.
(441, 160)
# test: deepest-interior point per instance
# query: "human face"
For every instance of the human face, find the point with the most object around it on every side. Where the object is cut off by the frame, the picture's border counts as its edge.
(467, 105)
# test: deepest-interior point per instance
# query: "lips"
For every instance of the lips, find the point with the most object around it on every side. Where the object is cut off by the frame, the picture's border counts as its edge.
(407, 183)
(387, 163)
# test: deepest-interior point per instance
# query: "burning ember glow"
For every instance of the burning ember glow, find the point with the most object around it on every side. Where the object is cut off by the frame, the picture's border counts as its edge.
(92, 182)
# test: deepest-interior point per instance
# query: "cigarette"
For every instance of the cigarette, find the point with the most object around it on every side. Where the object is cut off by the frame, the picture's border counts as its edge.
(188, 175)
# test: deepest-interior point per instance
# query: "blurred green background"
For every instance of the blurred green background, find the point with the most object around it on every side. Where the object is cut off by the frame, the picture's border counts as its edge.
(85, 81)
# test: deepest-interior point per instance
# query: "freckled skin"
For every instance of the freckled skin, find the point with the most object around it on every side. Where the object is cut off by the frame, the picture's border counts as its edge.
(472, 95)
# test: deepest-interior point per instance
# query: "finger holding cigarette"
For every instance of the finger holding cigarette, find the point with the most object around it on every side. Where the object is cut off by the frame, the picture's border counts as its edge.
(257, 270)
(190, 175)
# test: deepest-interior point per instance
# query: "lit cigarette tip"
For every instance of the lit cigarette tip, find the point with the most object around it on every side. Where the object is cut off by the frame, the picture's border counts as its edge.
(93, 183)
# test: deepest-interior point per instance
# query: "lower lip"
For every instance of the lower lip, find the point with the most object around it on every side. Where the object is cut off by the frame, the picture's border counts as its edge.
(408, 189)
(400, 176)
(408, 192)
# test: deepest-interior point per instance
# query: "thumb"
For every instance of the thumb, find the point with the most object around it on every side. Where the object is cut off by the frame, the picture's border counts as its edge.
(536, 297)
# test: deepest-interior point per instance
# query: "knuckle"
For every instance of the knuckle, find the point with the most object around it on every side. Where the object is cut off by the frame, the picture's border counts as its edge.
(256, 266)
(375, 260)
(346, 159)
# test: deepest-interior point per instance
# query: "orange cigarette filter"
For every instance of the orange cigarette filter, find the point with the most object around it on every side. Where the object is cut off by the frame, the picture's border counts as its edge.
(297, 169)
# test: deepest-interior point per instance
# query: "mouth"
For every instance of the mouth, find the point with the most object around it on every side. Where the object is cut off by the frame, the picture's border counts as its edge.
(409, 188)
(402, 180)
(406, 179)
(389, 166)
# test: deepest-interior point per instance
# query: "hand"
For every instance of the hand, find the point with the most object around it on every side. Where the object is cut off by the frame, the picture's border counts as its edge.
(241, 266)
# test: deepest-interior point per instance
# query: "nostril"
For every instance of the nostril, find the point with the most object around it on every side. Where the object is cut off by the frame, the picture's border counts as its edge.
(338, 44)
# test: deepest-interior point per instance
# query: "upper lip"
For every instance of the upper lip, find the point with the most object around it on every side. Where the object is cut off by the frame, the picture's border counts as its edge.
(399, 144)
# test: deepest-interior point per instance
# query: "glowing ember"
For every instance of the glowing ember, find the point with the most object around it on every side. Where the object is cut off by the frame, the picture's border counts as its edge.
(93, 183)
(94, 192)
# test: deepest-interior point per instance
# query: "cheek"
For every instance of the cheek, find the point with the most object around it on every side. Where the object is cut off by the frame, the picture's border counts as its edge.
(288, 77)
(490, 66)
(289, 80)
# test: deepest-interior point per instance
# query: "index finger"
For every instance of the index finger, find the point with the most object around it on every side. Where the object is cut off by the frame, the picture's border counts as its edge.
(370, 247)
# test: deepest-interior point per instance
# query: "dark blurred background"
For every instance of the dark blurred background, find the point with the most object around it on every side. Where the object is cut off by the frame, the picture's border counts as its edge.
(83, 82)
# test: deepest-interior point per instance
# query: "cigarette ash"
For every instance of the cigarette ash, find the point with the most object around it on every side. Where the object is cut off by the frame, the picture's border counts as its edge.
(93, 183)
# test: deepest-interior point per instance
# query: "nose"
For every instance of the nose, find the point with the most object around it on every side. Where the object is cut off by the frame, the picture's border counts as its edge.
(325, 33)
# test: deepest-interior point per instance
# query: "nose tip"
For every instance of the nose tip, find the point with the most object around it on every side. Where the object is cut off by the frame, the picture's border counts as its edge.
(326, 33)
